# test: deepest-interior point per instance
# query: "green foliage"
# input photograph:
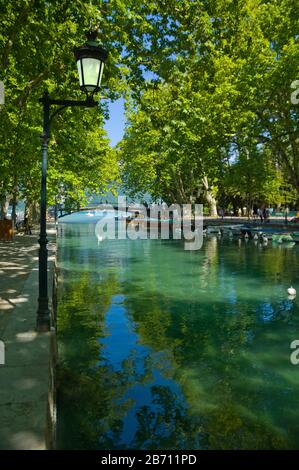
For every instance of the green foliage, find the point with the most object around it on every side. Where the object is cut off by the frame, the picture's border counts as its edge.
(222, 91)
(205, 84)
(37, 39)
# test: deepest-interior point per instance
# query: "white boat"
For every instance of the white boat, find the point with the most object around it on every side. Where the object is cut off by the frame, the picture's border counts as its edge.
(213, 229)
(295, 237)
(228, 228)
(282, 237)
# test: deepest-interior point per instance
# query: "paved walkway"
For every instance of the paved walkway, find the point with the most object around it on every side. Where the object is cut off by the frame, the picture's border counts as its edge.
(24, 379)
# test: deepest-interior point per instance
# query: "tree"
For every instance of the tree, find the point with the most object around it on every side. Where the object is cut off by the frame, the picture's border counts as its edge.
(225, 70)
(220, 71)
(36, 51)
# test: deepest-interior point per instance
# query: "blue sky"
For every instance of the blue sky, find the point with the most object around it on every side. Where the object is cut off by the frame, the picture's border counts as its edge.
(115, 125)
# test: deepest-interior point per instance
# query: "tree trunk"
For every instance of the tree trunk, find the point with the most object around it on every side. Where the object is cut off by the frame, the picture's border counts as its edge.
(14, 204)
(248, 207)
(210, 198)
(14, 209)
(212, 203)
(33, 212)
(4, 204)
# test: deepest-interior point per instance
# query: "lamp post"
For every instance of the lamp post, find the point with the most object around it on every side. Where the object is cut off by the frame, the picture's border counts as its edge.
(90, 62)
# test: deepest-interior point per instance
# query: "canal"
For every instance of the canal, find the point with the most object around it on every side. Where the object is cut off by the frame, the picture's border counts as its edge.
(161, 348)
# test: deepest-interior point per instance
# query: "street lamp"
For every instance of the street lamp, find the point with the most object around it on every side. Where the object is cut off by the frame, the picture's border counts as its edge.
(90, 62)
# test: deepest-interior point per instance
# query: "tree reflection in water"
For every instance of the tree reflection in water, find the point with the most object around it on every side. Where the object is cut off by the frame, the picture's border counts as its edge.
(163, 349)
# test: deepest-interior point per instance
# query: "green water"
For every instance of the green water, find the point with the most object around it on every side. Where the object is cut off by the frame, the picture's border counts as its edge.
(160, 348)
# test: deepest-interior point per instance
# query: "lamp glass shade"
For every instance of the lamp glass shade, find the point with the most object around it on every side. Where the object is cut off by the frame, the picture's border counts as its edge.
(90, 63)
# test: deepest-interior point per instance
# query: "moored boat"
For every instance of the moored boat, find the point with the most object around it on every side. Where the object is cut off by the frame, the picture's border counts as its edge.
(295, 237)
(282, 237)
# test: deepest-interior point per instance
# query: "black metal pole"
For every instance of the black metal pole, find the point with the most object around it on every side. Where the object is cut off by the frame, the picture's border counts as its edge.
(43, 322)
(43, 313)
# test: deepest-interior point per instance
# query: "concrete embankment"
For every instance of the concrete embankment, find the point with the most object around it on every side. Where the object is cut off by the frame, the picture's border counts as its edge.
(27, 391)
